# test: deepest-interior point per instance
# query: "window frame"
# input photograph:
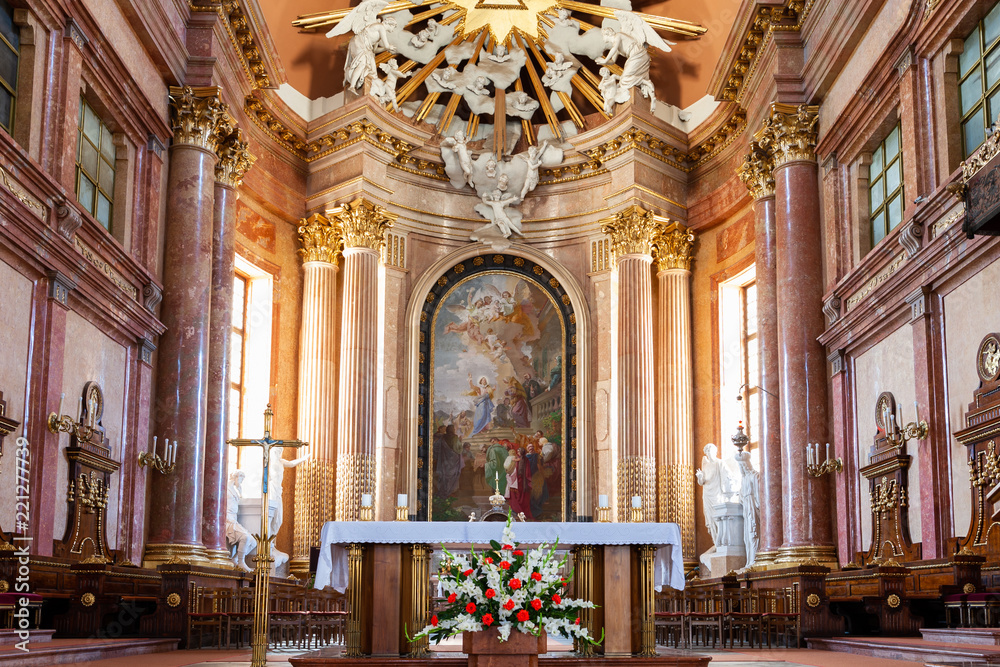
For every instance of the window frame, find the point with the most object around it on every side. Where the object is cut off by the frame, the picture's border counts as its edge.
(878, 179)
(237, 380)
(109, 160)
(747, 339)
(11, 87)
(990, 94)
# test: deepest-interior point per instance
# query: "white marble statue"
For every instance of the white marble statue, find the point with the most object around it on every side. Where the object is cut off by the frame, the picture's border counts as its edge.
(502, 218)
(563, 18)
(371, 35)
(427, 34)
(478, 86)
(445, 78)
(458, 144)
(556, 70)
(240, 540)
(533, 158)
(276, 476)
(499, 54)
(609, 90)
(750, 497)
(521, 104)
(630, 41)
(385, 91)
(709, 476)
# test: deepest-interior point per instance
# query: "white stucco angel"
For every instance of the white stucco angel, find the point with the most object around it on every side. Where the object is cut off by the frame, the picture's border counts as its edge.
(445, 78)
(459, 145)
(609, 90)
(385, 91)
(498, 202)
(533, 159)
(499, 55)
(564, 18)
(556, 70)
(521, 104)
(240, 540)
(478, 86)
(630, 41)
(371, 35)
(275, 478)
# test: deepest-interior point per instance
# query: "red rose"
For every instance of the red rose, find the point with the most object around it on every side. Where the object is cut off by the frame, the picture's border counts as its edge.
(508, 605)
(467, 572)
(452, 598)
(515, 583)
(489, 561)
(470, 608)
(504, 565)
(490, 593)
(487, 619)
(507, 547)
(577, 621)
(518, 552)
(556, 598)
(536, 604)
(522, 615)
(434, 620)
(537, 576)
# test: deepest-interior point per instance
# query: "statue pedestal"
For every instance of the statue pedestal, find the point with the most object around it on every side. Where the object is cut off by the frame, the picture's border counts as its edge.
(730, 552)
(249, 518)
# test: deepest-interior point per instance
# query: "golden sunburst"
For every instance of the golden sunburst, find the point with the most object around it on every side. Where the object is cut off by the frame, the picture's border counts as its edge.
(501, 17)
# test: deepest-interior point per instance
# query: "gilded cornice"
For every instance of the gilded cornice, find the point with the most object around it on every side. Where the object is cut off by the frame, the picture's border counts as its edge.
(321, 239)
(198, 117)
(982, 155)
(631, 231)
(235, 160)
(237, 26)
(757, 172)
(790, 133)
(363, 224)
(673, 246)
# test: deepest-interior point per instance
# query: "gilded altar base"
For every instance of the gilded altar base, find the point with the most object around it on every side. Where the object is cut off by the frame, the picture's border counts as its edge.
(160, 554)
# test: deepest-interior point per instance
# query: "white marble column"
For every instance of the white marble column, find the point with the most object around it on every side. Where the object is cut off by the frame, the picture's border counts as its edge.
(674, 392)
(363, 225)
(314, 478)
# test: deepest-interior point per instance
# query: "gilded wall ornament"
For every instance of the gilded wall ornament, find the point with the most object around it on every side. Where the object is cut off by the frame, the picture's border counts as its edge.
(790, 133)
(235, 160)
(672, 246)
(363, 224)
(320, 238)
(196, 115)
(631, 231)
(757, 172)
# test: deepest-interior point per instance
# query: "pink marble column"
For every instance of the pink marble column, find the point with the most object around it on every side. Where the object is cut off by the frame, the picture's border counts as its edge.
(234, 161)
(176, 508)
(632, 232)
(363, 225)
(757, 174)
(314, 478)
(674, 389)
(801, 359)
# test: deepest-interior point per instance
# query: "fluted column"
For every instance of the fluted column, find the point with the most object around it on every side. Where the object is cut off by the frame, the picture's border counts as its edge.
(363, 226)
(314, 478)
(631, 232)
(757, 173)
(674, 393)
(234, 161)
(175, 525)
(790, 136)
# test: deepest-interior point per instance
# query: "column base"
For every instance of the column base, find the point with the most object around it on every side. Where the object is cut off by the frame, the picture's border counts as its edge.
(806, 555)
(765, 559)
(219, 558)
(160, 554)
(299, 566)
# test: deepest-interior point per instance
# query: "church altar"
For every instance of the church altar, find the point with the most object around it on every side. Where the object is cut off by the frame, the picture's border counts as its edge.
(384, 566)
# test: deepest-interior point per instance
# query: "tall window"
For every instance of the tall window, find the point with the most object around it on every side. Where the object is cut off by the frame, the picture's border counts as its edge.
(237, 353)
(739, 362)
(10, 46)
(95, 165)
(886, 190)
(751, 363)
(979, 85)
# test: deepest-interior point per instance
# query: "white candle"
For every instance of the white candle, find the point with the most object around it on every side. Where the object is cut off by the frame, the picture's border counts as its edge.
(366, 500)
(166, 451)
(79, 409)
(636, 502)
(173, 453)
(401, 500)
(62, 397)
(809, 448)
(602, 500)
(154, 445)
(916, 413)
(828, 451)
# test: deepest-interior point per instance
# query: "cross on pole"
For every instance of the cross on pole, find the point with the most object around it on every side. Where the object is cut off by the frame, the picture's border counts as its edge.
(263, 560)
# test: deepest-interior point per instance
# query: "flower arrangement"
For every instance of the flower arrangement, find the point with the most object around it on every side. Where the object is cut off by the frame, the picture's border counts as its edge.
(509, 589)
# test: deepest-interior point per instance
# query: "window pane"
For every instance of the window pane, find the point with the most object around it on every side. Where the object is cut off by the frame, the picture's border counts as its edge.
(91, 124)
(992, 67)
(239, 286)
(877, 163)
(753, 373)
(103, 213)
(971, 90)
(970, 56)
(991, 26)
(107, 178)
(234, 413)
(994, 106)
(6, 106)
(974, 132)
(878, 194)
(88, 159)
(8, 66)
(11, 32)
(878, 228)
(236, 355)
(892, 144)
(893, 176)
(86, 193)
(107, 144)
(895, 209)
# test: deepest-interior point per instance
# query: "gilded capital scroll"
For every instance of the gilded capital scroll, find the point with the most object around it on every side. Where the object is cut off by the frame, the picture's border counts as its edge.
(757, 172)
(321, 239)
(235, 160)
(790, 133)
(199, 117)
(363, 224)
(631, 231)
(673, 246)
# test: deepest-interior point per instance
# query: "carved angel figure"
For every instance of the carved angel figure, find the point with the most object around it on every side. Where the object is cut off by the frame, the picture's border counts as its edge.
(478, 87)
(522, 103)
(609, 90)
(498, 202)
(459, 144)
(444, 78)
(563, 18)
(239, 539)
(630, 41)
(499, 54)
(554, 70)
(385, 91)
(533, 158)
(370, 35)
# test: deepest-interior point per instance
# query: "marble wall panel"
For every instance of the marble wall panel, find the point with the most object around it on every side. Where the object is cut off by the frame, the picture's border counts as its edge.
(15, 327)
(91, 355)
(888, 366)
(967, 320)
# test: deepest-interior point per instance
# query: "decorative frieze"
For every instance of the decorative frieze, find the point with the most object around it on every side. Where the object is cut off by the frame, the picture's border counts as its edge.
(875, 281)
(672, 247)
(320, 238)
(118, 279)
(631, 231)
(757, 172)
(198, 116)
(32, 203)
(790, 133)
(363, 224)
(235, 160)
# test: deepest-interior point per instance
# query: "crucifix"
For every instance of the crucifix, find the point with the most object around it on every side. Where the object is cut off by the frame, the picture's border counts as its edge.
(263, 560)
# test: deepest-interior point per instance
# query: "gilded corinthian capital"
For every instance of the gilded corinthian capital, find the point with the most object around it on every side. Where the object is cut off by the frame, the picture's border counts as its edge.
(631, 231)
(235, 160)
(672, 246)
(198, 116)
(363, 224)
(790, 133)
(757, 172)
(320, 238)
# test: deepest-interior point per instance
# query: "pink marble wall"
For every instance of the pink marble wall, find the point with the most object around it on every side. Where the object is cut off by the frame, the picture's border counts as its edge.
(15, 329)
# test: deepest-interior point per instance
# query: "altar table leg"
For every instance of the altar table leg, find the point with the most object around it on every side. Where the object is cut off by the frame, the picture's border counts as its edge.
(357, 598)
(618, 610)
(416, 603)
(645, 599)
(386, 601)
(584, 581)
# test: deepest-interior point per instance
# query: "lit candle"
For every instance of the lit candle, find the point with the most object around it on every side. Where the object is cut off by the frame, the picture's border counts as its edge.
(602, 500)
(401, 500)
(636, 502)
(366, 500)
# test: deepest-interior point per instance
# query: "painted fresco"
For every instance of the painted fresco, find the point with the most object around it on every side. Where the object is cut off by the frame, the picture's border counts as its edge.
(497, 399)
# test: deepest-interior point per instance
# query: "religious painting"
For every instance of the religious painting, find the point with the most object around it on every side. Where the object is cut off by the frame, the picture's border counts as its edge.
(497, 399)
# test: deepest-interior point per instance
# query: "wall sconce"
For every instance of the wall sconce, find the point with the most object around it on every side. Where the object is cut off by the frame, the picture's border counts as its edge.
(59, 422)
(817, 469)
(603, 509)
(402, 508)
(915, 430)
(366, 513)
(164, 466)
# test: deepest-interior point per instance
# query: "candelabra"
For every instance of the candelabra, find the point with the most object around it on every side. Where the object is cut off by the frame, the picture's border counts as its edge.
(59, 422)
(915, 430)
(164, 465)
(817, 469)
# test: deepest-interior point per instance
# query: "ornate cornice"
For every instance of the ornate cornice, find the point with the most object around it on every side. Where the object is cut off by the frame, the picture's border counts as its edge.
(789, 133)
(198, 117)
(235, 160)
(321, 239)
(244, 42)
(982, 155)
(631, 231)
(757, 172)
(673, 246)
(363, 224)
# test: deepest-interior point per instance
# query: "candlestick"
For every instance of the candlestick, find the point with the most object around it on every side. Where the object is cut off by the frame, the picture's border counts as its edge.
(637, 501)
(366, 500)
(602, 500)
(401, 500)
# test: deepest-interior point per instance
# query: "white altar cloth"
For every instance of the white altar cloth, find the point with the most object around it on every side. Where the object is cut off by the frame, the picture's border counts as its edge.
(332, 569)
